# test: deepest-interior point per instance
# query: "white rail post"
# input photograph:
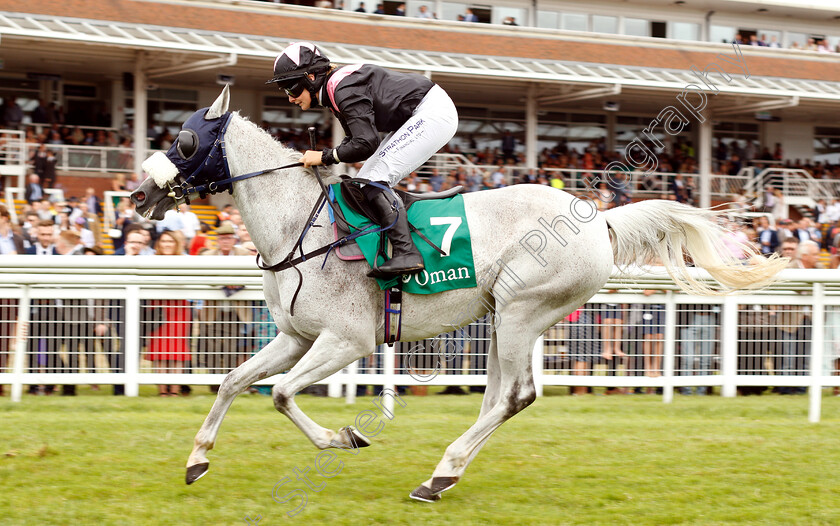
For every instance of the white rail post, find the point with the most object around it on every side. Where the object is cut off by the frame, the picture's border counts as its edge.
(350, 384)
(670, 347)
(817, 339)
(729, 346)
(132, 340)
(537, 364)
(334, 385)
(21, 341)
(389, 357)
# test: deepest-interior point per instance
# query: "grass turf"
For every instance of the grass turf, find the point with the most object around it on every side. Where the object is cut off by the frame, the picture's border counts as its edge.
(97, 459)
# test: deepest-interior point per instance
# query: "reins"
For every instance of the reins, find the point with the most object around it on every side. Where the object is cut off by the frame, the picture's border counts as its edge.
(181, 192)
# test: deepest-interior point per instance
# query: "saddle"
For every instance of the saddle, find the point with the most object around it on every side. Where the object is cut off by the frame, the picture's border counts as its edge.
(355, 199)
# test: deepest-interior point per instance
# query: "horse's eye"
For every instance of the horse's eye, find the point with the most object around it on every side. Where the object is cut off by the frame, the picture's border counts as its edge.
(187, 144)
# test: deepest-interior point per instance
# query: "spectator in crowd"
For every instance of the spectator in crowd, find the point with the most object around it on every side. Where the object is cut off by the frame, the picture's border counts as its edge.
(168, 343)
(510, 21)
(361, 8)
(774, 42)
(45, 244)
(44, 164)
(508, 146)
(423, 12)
(200, 242)
(135, 243)
(224, 214)
(767, 236)
(469, 16)
(172, 220)
(34, 191)
(789, 230)
(221, 346)
(807, 255)
(40, 113)
(379, 11)
(583, 344)
(400, 11)
(11, 242)
(612, 318)
(85, 235)
(698, 343)
(12, 113)
(190, 223)
(653, 321)
(92, 201)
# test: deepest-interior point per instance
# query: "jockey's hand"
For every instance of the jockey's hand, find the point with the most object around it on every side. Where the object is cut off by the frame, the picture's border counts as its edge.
(310, 158)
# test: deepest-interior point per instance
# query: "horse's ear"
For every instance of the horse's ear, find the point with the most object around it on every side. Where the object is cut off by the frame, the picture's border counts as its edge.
(220, 106)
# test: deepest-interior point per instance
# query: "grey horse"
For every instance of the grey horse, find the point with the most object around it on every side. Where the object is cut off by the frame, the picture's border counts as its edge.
(561, 249)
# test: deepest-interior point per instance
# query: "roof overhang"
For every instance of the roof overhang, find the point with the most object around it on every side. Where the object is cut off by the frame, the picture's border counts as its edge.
(210, 49)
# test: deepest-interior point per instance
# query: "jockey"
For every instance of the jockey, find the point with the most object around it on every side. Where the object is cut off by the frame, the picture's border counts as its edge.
(417, 115)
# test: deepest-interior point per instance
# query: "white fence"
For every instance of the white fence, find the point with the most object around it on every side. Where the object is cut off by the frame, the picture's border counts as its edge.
(188, 320)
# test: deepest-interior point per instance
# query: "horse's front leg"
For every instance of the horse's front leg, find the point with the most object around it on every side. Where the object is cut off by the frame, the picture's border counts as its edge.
(329, 354)
(280, 354)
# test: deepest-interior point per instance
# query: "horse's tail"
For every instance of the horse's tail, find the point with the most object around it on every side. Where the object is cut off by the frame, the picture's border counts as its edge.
(672, 232)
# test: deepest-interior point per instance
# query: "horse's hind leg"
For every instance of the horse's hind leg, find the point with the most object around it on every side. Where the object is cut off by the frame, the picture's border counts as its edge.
(513, 391)
(280, 354)
(329, 354)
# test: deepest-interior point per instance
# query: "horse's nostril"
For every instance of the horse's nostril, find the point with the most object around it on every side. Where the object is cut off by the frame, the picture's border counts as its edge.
(139, 197)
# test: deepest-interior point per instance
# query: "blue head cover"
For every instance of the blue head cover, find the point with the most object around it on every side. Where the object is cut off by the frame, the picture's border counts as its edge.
(198, 152)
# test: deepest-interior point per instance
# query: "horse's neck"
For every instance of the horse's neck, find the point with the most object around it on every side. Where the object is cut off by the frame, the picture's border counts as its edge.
(274, 206)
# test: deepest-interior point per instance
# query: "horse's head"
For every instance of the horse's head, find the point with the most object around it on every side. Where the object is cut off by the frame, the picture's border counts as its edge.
(195, 158)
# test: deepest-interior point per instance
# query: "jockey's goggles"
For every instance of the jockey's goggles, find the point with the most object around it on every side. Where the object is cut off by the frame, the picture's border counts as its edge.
(294, 90)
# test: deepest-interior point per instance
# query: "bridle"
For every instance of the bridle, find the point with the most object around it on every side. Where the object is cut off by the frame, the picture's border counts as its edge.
(215, 161)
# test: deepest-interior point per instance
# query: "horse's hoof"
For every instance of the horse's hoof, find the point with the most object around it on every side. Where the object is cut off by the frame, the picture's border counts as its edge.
(424, 494)
(197, 471)
(356, 439)
(441, 484)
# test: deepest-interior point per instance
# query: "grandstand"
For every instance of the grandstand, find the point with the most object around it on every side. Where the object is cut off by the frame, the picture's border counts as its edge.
(563, 77)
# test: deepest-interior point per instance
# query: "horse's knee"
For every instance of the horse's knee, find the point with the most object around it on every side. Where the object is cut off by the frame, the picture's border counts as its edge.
(520, 397)
(229, 387)
(280, 398)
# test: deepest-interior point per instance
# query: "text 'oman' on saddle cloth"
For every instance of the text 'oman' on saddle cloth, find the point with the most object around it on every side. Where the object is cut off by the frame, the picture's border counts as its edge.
(444, 223)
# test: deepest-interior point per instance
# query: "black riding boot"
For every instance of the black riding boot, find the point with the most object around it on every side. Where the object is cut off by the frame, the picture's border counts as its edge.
(406, 259)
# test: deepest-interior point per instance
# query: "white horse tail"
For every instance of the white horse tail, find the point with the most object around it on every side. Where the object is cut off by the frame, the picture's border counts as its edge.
(672, 232)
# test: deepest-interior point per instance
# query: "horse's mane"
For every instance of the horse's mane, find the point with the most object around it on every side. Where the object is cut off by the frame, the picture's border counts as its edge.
(287, 155)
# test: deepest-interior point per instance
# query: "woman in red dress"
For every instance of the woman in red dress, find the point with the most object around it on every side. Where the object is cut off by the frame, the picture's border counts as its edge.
(169, 343)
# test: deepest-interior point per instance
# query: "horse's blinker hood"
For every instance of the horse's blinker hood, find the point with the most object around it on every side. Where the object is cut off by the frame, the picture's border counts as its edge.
(199, 151)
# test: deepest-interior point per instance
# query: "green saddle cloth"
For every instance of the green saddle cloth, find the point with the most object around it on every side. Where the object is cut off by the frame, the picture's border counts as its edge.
(444, 223)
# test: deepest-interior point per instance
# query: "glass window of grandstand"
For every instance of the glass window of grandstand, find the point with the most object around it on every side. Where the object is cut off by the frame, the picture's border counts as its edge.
(574, 22)
(604, 24)
(456, 11)
(770, 37)
(628, 128)
(721, 34)
(24, 92)
(645, 28)
(413, 8)
(685, 31)
(637, 27)
(509, 16)
(735, 136)
(168, 108)
(285, 121)
(834, 44)
(796, 40)
(827, 144)
(548, 19)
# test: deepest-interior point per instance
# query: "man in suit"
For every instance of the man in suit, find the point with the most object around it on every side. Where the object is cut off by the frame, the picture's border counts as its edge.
(45, 234)
(42, 350)
(469, 16)
(34, 191)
